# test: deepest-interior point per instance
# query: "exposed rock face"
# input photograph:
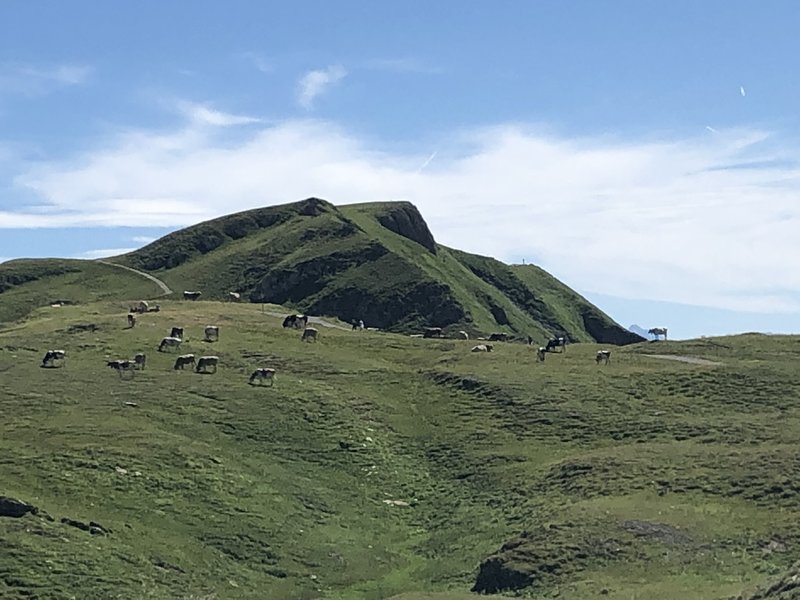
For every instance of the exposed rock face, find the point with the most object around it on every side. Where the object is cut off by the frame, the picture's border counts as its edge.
(786, 588)
(607, 333)
(404, 219)
(11, 507)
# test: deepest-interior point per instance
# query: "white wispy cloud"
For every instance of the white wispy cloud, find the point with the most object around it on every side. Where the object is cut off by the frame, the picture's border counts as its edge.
(143, 239)
(103, 253)
(315, 83)
(680, 220)
(16, 78)
(203, 115)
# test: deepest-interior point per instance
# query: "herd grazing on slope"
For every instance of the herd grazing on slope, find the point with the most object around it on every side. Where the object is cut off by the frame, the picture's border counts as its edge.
(209, 364)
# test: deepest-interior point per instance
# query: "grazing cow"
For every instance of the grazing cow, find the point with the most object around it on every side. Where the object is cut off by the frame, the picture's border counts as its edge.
(169, 342)
(204, 363)
(139, 361)
(296, 321)
(540, 353)
(142, 307)
(432, 332)
(463, 335)
(191, 295)
(156, 308)
(482, 348)
(212, 333)
(559, 342)
(309, 334)
(183, 360)
(657, 331)
(54, 358)
(262, 375)
(498, 337)
(176, 332)
(122, 367)
(131, 320)
(234, 296)
(603, 356)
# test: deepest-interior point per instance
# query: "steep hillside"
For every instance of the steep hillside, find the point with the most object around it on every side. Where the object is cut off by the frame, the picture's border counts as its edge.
(377, 262)
(380, 465)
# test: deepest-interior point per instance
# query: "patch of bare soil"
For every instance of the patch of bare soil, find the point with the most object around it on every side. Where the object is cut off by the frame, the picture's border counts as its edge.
(694, 360)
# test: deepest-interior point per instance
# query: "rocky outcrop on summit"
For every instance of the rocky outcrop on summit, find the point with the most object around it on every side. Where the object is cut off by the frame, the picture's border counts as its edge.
(404, 219)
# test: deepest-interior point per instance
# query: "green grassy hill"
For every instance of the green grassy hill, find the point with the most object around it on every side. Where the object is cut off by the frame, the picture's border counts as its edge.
(385, 466)
(377, 262)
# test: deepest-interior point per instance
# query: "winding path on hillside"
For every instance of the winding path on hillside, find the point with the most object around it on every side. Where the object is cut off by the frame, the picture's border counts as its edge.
(166, 291)
(164, 288)
(693, 360)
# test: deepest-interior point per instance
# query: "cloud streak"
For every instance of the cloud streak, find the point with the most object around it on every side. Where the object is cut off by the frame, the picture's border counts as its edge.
(29, 80)
(315, 83)
(662, 220)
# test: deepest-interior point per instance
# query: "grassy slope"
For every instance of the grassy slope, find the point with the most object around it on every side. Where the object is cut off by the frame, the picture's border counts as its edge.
(239, 251)
(26, 285)
(279, 492)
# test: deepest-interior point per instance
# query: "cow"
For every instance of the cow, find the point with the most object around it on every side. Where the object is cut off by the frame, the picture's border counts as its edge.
(463, 335)
(204, 363)
(139, 361)
(540, 353)
(603, 356)
(183, 360)
(169, 342)
(296, 321)
(498, 337)
(262, 375)
(131, 320)
(191, 295)
(309, 334)
(211, 333)
(658, 331)
(122, 366)
(432, 332)
(234, 296)
(141, 307)
(54, 358)
(482, 348)
(559, 342)
(176, 332)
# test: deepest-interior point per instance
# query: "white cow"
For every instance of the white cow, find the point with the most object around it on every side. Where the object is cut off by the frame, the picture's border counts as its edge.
(139, 361)
(51, 357)
(183, 360)
(541, 353)
(482, 348)
(603, 356)
(169, 342)
(204, 363)
(262, 375)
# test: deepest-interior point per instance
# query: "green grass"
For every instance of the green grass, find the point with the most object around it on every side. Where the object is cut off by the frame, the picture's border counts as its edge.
(645, 478)
(345, 261)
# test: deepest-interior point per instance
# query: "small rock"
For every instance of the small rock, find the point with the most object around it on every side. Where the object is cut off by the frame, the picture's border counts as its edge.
(121, 471)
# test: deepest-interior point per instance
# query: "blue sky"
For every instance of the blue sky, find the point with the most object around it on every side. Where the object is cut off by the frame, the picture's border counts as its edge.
(643, 152)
